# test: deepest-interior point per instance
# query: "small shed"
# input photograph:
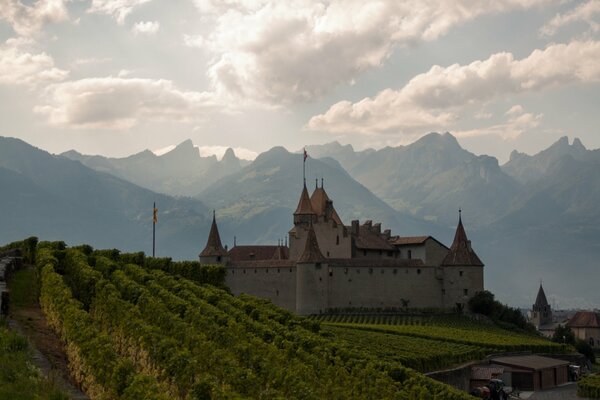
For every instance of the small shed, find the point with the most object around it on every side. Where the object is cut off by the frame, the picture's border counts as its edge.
(533, 372)
(482, 374)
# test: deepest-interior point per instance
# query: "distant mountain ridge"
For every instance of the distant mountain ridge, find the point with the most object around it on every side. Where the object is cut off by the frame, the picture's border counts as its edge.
(181, 171)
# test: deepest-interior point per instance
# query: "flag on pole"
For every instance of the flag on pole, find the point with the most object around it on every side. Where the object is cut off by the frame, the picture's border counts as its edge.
(155, 214)
(305, 154)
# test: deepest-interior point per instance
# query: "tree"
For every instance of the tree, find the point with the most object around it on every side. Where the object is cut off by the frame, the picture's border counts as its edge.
(563, 334)
(584, 348)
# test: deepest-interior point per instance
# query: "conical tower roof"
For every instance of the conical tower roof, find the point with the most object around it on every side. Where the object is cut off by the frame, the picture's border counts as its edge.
(540, 300)
(460, 252)
(213, 244)
(319, 200)
(304, 204)
(312, 253)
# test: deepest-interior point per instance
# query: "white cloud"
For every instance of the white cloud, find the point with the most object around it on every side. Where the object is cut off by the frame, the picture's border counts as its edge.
(21, 65)
(584, 12)
(120, 103)
(27, 20)
(518, 122)
(281, 52)
(118, 9)
(435, 99)
(164, 150)
(146, 27)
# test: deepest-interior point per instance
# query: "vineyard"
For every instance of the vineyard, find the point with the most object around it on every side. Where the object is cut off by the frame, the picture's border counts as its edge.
(136, 327)
(450, 329)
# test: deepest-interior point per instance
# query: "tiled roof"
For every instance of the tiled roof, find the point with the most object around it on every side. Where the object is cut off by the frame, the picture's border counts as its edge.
(460, 252)
(540, 300)
(532, 362)
(311, 253)
(213, 244)
(319, 200)
(400, 240)
(247, 253)
(304, 205)
(585, 319)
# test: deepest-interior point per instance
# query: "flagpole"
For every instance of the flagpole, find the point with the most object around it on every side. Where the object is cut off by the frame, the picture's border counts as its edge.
(153, 229)
(304, 167)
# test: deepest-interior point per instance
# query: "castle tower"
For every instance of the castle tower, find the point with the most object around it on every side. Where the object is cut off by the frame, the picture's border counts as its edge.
(541, 311)
(323, 206)
(312, 278)
(462, 271)
(304, 214)
(213, 253)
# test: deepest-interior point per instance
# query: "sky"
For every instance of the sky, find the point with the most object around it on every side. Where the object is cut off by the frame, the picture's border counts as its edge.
(115, 77)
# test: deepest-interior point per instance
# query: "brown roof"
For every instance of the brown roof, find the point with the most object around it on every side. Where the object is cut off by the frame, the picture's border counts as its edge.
(319, 201)
(460, 252)
(540, 300)
(213, 244)
(400, 240)
(311, 253)
(304, 205)
(369, 240)
(532, 362)
(585, 319)
(246, 253)
(485, 373)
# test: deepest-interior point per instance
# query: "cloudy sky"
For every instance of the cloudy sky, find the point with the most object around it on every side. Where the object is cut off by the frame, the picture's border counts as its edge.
(115, 77)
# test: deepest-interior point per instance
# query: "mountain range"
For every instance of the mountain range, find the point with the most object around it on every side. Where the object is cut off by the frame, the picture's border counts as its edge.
(535, 217)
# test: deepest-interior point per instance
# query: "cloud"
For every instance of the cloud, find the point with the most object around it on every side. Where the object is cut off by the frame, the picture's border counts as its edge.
(27, 20)
(146, 28)
(121, 103)
(435, 99)
(118, 9)
(584, 12)
(20, 65)
(295, 51)
(518, 122)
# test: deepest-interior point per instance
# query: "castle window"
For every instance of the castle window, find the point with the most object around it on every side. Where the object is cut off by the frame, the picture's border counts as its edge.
(364, 252)
(443, 291)
(592, 341)
(466, 292)
(277, 292)
(345, 270)
(244, 271)
(370, 270)
(320, 279)
(330, 273)
(419, 271)
(255, 271)
(460, 273)
(382, 270)
(395, 271)
(290, 270)
(327, 254)
(409, 254)
(390, 253)
(218, 258)
(337, 239)
(380, 252)
(278, 271)
(266, 270)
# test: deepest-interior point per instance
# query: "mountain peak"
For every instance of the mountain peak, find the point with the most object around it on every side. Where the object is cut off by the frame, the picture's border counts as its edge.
(577, 145)
(229, 155)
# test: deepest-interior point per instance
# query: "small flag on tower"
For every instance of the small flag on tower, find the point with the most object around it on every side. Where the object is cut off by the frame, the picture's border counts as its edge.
(305, 154)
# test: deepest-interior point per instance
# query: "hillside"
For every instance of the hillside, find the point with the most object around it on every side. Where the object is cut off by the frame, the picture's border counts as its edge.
(263, 195)
(53, 197)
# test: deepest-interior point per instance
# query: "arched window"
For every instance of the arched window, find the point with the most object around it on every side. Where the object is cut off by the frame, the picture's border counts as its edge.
(337, 239)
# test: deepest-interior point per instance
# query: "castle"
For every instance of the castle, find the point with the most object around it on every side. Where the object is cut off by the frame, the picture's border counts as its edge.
(329, 265)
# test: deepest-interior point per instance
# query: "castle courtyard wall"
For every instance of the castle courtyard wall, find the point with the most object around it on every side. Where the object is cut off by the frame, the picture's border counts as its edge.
(276, 283)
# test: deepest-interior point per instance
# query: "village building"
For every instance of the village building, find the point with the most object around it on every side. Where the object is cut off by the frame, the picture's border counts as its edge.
(329, 265)
(532, 372)
(541, 314)
(586, 326)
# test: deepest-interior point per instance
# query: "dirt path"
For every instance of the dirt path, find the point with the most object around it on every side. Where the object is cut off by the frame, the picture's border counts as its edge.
(48, 350)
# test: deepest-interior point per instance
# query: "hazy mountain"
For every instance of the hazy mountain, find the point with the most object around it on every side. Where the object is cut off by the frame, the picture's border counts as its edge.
(432, 178)
(526, 168)
(53, 198)
(344, 154)
(181, 171)
(262, 196)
